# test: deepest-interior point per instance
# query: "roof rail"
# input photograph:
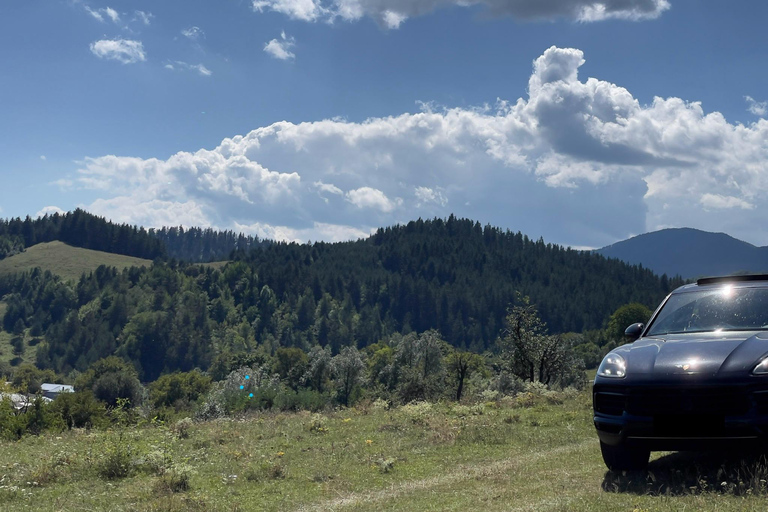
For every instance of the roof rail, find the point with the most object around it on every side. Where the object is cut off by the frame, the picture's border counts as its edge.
(732, 279)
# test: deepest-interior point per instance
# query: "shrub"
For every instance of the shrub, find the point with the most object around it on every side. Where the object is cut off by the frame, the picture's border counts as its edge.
(79, 409)
(317, 424)
(118, 459)
(301, 400)
(176, 479)
(40, 417)
(181, 428)
(179, 387)
(12, 425)
(111, 379)
(28, 377)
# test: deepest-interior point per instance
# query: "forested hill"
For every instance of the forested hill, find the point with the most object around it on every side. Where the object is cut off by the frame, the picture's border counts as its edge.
(451, 275)
(79, 229)
(458, 277)
(82, 229)
(198, 245)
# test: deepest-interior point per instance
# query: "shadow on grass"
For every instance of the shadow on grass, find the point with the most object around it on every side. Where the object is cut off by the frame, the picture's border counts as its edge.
(684, 473)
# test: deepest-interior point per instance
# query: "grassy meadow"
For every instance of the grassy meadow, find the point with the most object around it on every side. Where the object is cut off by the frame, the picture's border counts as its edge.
(66, 261)
(532, 452)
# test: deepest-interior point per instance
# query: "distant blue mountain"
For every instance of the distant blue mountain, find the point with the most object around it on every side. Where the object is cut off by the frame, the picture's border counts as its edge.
(690, 253)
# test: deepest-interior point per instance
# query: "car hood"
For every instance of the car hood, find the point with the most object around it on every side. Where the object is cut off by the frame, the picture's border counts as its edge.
(707, 354)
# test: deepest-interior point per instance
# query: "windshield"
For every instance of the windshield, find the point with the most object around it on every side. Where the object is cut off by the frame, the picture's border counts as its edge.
(721, 309)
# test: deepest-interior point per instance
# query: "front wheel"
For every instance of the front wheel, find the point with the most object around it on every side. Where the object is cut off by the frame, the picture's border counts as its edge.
(624, 458)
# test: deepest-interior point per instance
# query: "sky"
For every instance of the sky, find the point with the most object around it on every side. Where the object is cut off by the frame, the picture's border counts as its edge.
(583, 122)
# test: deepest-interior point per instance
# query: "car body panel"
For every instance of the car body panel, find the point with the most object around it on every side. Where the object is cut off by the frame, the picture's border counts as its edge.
(687, 391)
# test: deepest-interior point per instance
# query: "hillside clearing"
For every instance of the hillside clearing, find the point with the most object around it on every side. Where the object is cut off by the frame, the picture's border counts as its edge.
(66, 261)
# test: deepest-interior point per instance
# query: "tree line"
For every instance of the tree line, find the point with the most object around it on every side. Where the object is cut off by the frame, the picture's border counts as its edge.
(82, 229)
(450, 276)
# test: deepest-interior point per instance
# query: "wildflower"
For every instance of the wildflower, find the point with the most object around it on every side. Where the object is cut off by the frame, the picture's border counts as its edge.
(368, 442)
(347, 420)
(280, 454)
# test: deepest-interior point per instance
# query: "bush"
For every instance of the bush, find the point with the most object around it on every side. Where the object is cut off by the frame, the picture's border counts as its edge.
(112, 379)
(40, 417)
(28, 378)
(12, 425)
(112, 387)
(176, 479)
(80, 409)
(302, 400)
(179, 388)
(118, 460)
(181, 428)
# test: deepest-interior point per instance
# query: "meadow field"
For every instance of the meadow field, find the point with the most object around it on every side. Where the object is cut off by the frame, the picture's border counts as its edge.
(66, 261)
(537, 451)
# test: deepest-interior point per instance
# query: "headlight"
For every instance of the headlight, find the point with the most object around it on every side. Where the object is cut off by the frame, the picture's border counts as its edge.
(761, 368)
(615, 367)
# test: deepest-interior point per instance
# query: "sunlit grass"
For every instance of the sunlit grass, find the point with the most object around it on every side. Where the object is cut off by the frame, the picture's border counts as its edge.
(494, 456)
(65, 261)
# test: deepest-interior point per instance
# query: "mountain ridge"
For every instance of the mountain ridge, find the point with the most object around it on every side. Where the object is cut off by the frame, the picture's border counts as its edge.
(689, 253)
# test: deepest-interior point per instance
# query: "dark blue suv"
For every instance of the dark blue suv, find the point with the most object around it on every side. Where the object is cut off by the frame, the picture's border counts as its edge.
(694, 378)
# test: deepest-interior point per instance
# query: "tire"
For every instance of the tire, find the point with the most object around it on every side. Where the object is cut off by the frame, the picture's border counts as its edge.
(624, 458)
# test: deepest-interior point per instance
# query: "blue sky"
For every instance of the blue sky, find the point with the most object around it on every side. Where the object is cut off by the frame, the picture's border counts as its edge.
(324, 119)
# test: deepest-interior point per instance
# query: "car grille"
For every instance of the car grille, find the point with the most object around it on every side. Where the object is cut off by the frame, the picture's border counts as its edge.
(670, 401)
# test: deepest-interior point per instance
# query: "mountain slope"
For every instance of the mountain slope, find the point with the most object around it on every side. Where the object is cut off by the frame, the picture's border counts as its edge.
(690, 253)
(66, 261)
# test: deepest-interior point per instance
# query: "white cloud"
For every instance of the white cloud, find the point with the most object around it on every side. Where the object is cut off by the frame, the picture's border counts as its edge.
(306, 10)
(328, 187)
(193, 33)
(280, 48)
(580, 162)
(367, 197)
(123, 50)
(107, 12)
(43, 158)
(392, 13)
(49, 210)
(759, 108)
(179, 65)
(64, 184)
(144, 17)
(426, 195)
(720, 202)
(318, 231)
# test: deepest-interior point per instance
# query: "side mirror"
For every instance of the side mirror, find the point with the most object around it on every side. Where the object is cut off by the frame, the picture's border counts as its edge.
(633, 331)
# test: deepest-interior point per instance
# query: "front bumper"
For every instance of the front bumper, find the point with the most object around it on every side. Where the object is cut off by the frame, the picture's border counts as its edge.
(681, 418)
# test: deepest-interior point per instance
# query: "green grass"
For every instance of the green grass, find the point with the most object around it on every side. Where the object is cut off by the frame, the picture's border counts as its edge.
(216, 265)
(6, 349)
(66, 261)
(492, 457)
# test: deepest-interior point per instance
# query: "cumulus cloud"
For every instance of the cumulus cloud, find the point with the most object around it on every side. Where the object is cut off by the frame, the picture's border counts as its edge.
(180, 65)
(758, 108)
(281, 48)
(367, 197)
(579, 161)
(49, 210)
(426, 195)
(391, 14)
(318, 231)
(123, 50)
(720, 202)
